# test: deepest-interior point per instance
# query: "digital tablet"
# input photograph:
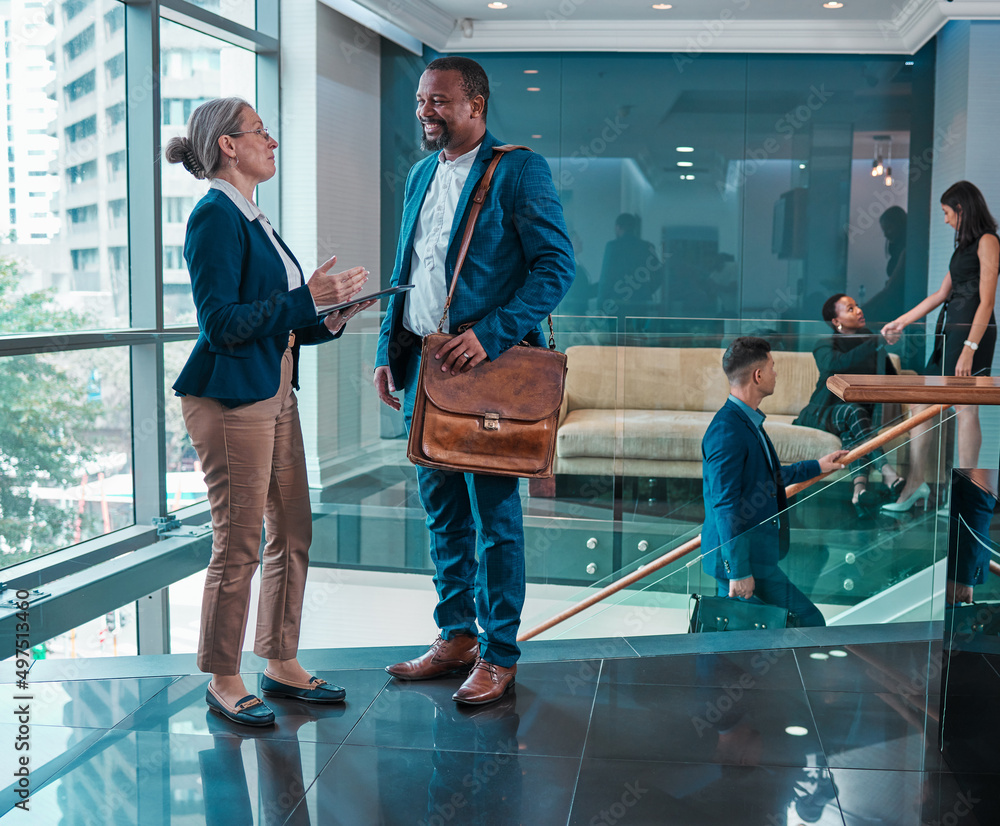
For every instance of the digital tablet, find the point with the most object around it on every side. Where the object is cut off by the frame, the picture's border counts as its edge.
(326, 309)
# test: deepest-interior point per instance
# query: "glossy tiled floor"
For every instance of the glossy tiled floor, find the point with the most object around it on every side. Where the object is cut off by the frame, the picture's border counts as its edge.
(828, 734)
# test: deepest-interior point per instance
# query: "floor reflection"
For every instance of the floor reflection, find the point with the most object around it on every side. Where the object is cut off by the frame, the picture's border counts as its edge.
(812, 735)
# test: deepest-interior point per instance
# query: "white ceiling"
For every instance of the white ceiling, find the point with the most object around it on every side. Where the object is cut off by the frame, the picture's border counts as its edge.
(692, 26)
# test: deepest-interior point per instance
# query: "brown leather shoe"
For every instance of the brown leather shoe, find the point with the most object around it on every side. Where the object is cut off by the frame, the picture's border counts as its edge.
(443, 657)
(486, 683)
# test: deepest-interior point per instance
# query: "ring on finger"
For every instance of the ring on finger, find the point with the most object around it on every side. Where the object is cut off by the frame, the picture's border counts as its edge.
(467, 355)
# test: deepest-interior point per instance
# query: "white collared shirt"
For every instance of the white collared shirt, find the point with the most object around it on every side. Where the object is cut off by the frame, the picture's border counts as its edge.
(252, 212)
(425, 303)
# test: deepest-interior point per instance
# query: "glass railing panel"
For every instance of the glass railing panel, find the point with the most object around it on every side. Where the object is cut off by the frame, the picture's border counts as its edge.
(839, 560)
(971, 661)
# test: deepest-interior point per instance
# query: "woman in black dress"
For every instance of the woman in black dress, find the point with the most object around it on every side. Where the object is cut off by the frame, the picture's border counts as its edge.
(967, 320)
(852, 349)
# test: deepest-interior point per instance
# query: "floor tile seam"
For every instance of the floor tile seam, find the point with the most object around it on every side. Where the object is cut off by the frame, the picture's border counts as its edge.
(134, 711)
(819, 736)
(429, 750)
(312, 783)
(583, 748)
(876, 691)
(884, 770)
(991, 664)
(798, 667)
(97, 677)
(767, 764)
(368, 708)
(637, 654)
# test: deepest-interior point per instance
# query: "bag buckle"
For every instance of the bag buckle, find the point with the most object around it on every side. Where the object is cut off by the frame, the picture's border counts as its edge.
(491, 421)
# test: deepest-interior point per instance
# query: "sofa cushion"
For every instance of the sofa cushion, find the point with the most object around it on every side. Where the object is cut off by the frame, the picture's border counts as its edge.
(663, 435)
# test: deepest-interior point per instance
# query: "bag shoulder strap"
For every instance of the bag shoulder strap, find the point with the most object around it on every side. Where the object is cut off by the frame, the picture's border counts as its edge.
(477, 206)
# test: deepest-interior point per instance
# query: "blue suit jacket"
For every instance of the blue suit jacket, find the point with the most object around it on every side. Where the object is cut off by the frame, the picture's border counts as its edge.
(519, 265)
(245, 309)
(742, 535)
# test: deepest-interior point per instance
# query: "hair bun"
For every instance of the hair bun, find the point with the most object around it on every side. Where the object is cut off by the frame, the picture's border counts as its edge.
(180, 150)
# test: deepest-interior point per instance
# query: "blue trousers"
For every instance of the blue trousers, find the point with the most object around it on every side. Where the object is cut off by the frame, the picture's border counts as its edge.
(477, 546)
(775, 588)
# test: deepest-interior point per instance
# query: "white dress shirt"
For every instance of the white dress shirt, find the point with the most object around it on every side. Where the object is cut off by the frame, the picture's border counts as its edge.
(252, 212)
(425, 303)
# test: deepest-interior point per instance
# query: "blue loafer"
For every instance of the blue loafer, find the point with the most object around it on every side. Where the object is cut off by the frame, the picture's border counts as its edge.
(250, 711)
(315, 691)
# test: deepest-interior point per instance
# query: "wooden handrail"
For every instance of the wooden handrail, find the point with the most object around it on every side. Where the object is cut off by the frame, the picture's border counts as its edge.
(693, 544)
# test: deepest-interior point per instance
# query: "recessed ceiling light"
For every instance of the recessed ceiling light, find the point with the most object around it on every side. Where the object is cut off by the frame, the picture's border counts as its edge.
(836, 652)
(802, 166)
(797, 731)
(662, 6)
(819, 655)
(833, 4)
(534, 88)
(496, 5)
(685, 149)
(689, 177)
(536, 137)
(908, 63)
(531, 71)
(684, 163)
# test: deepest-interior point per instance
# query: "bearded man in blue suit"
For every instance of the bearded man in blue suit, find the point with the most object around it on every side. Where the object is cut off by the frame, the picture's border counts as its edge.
(519, 266)
(746, 526)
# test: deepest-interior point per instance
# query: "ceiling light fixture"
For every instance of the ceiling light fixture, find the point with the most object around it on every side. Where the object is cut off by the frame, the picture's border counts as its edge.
(797, 731)
(536, 137)
(685, 149)
(833, 5)
(662, 6)
(496, 5)
(534, 88)
(531, 71)
(689, 177)
(882, 158)
(684, 163)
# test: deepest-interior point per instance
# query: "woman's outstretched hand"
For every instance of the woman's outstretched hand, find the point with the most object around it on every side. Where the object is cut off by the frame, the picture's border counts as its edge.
(327, 288)
(892, 331)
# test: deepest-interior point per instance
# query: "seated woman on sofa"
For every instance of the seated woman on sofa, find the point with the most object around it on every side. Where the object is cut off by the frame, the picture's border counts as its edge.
(852, 348)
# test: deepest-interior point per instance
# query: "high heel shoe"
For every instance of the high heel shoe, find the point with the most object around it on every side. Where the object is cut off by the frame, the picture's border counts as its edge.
(867, 504)
(923, 492)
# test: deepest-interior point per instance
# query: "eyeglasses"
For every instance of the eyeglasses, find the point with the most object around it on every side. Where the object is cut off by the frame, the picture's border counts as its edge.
(262, 132)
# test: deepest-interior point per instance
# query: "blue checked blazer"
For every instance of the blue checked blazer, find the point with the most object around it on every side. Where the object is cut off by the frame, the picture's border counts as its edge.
(519, 265)
(743, 535)
(245, 309)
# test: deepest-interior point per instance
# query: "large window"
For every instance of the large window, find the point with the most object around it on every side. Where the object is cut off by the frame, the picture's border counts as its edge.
(66, 453)
(194, 68)
(74, 414)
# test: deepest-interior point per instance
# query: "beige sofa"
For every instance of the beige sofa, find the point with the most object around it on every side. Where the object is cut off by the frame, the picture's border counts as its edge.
(642, 411)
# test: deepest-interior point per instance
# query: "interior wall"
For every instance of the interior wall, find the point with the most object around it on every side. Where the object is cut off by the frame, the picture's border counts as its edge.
(331, 199)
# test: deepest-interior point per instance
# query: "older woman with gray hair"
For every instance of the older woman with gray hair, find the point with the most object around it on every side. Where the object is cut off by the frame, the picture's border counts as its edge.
(254, 313)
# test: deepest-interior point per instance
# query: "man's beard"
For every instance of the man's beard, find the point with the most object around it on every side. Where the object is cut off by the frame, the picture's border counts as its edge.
(442, 141)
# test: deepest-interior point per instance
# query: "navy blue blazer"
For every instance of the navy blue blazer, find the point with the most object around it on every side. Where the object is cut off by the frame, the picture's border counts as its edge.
(245, 309)
(520, 262)
(742, 535)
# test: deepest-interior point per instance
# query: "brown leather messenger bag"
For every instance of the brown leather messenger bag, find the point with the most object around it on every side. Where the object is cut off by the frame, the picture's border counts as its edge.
(499, 418)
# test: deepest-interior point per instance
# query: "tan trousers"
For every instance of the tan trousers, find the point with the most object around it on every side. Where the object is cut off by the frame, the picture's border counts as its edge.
(254, 463)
